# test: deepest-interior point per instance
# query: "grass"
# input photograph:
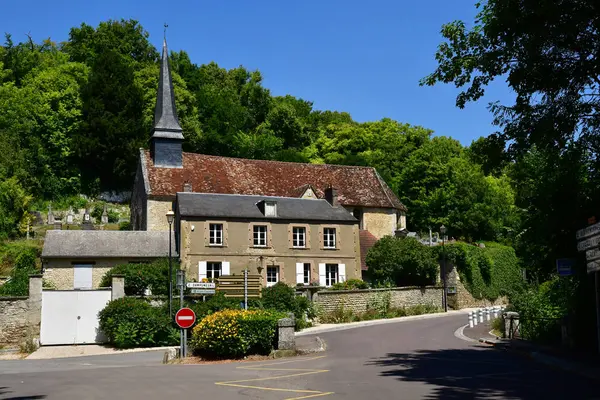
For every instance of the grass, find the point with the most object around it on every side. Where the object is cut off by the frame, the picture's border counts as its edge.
(341, 315)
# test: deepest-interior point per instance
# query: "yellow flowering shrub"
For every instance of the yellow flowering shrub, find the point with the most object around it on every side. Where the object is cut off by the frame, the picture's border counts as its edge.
(236, 333)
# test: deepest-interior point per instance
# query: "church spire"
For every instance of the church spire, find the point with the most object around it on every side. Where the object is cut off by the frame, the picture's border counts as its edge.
(165, 113)
(167, 135)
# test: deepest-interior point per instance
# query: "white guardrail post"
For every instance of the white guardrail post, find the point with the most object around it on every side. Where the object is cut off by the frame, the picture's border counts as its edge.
(474, 317)
(480, 313)
(487, 314)
(470, 319)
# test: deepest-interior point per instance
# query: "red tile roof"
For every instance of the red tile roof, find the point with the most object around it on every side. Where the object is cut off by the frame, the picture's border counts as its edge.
(367, 240)
(359, 186)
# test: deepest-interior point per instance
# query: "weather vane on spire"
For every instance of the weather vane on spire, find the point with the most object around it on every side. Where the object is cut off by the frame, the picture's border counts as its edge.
(166, 26)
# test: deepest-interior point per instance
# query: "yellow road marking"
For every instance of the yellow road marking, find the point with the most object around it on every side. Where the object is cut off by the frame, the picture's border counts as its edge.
(300, 372)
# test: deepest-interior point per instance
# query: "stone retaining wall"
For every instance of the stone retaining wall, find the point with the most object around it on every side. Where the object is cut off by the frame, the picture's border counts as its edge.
(20, 317)
(357, 300)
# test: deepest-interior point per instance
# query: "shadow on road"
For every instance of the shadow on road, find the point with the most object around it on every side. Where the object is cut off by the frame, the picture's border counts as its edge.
(483, 373)
(6, 390)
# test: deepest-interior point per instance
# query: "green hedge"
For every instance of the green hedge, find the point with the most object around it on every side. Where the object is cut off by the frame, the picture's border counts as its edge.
(130, 322)
(350, 284)
(281, 297)
(236, 333)
(139, 277)
(487, 273)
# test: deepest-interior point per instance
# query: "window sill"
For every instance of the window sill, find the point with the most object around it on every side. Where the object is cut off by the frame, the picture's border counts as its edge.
(330, 248)
(299, 247)
(216, 245)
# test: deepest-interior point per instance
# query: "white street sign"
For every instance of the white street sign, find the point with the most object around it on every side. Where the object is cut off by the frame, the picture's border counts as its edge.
(203, 291)
(588, 231)
(586, 244)
(593, 266)
(201, 285)
(592, 254)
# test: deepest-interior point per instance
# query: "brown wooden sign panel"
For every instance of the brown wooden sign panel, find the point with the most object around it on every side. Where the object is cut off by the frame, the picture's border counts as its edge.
(232, 286)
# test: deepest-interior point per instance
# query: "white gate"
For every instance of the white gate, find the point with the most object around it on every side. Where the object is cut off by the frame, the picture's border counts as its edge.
(71, 316)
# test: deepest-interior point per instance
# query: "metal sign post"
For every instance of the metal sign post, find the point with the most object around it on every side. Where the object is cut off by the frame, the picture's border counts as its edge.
(182, 332)
(589, 241)
(245, 289)
(185, 318)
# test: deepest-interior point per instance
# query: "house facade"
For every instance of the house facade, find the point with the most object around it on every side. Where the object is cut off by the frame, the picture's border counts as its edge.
(291, 240)
(78, 259)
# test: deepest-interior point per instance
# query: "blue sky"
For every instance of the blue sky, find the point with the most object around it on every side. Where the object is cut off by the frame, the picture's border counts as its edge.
(363, 57)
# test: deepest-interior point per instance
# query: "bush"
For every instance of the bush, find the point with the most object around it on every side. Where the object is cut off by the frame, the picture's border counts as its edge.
(236, 333)
(139, 277)
(403, 260)
(281, 297)
(125, 226)
(487, 273)
(217, 302)
(379, 311)
(113, 216)
(350, 284)
(23, 265)
(129, 322)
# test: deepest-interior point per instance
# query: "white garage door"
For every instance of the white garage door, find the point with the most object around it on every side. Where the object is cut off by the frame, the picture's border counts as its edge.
(71, 316)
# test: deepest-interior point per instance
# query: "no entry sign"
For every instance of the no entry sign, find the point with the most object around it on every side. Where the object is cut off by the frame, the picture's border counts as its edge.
(185, 318)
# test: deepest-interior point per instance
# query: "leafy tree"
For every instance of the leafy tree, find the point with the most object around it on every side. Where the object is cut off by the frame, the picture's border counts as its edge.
(14, 207)
(403, 261)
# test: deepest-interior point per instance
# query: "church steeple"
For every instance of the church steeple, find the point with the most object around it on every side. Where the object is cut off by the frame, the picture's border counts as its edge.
(167, 135)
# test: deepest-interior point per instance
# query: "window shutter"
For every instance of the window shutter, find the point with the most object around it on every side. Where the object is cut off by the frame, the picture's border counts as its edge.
(201, 270)
(225, 269)
(342, 272)
(299, 272)
(82, 276)
(322, 280)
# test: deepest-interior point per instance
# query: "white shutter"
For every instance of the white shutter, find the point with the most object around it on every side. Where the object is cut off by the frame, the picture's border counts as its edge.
(341, 272)
(299, 272)
(82, 276)
(225, 268)
(322, 280)
(201, 270)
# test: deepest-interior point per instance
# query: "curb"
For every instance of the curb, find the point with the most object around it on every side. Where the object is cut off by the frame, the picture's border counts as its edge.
(116, 352)
(361, 324)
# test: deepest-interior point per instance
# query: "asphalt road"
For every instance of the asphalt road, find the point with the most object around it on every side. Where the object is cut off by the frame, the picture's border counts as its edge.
(409, 360)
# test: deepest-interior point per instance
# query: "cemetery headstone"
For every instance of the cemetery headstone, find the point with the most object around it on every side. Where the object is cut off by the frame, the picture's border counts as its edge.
(50, 215)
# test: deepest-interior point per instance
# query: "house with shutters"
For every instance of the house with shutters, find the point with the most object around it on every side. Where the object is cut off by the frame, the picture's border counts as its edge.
(282, 239)
(165, 170)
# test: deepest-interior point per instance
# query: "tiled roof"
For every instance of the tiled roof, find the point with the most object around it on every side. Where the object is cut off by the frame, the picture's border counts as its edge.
(244, 206)
(356, 186)
(106, 244)
(367, 240)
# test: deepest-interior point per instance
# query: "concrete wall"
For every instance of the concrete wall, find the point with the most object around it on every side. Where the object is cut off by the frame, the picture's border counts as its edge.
(238, 248)
(156, 211)
(60, 272)
(380, 221)
(357, 300)
(20, 317)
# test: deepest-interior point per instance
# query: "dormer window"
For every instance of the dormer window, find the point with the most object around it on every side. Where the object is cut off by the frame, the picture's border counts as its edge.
(270, 209)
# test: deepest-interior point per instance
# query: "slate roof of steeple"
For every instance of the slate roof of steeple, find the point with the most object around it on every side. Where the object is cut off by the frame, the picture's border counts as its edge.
(166, 123)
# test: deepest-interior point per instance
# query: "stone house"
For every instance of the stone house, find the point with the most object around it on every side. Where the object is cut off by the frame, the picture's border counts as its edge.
(78, 259)
(164, 170)
(291, 240)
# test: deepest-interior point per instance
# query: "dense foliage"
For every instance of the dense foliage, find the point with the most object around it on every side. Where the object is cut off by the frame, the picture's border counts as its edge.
(75, 114)
(141, 277)
(130, 322)
(236, 333)
(281, 297)
(350, 284)
(487, 273)
(403, 261)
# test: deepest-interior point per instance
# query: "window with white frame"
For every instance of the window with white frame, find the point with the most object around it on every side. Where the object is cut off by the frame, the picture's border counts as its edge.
(329, 238)
(270, 209)
(331, 274)
(213, 270)
(272, 275)
(306, 273)
(299, 237)
(215, 234)
(260, 235)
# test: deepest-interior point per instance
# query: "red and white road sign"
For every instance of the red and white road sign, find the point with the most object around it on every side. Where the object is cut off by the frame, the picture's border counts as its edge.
(185, 318)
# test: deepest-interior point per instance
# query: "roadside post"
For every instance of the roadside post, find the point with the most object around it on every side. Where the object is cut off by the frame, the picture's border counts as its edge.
(184, 318)
(182, 332)
(470, 319)
(589, 241)
(246, 289)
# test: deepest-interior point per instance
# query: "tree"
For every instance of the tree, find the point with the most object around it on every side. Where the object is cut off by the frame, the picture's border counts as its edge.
(404, 262)
(14, 207)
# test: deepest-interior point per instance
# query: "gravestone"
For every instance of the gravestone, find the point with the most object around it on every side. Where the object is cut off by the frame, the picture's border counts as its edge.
(87, 224)
(104, 217)
(70, 216)
(57, 224)
(50, 215)
(37, 218)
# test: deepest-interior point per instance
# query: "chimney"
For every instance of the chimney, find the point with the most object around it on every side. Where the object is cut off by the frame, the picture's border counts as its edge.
(331, 196)
(187, 187)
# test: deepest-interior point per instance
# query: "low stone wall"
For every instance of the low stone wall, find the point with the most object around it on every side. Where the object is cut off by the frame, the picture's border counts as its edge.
(20, 317)
(464, 299)
(357, 300)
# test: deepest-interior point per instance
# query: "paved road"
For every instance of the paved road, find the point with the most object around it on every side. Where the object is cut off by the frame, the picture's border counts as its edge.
(416, 360)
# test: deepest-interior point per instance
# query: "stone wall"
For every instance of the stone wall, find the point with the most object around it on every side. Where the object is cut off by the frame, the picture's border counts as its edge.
(380, 221)
(357, 300)
(20, 317)
(157, 214)
(464, 299)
